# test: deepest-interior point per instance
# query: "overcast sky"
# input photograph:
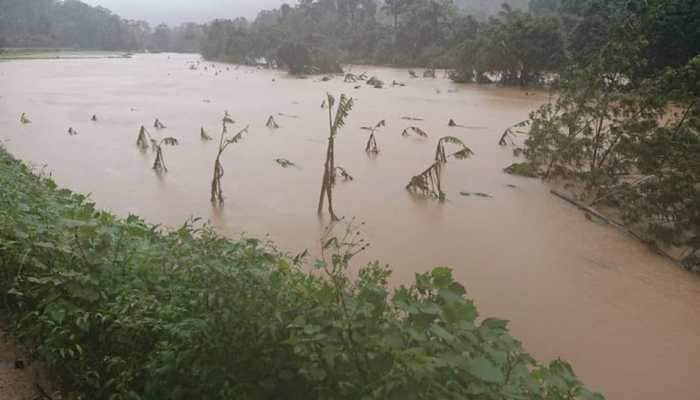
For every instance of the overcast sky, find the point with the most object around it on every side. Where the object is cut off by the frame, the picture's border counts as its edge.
(174, 12)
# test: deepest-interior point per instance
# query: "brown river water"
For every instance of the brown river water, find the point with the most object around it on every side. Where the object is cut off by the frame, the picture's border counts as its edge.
(627, 320)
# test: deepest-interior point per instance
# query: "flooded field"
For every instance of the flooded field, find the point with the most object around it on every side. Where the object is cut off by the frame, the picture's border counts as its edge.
(627, 320)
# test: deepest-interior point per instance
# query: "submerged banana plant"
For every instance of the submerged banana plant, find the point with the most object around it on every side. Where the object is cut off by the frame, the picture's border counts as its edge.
(217, 194)
(203, 134)
(158, 125)
(509, 134)
(372, 147)
(414, 130)
(441, 155)
(271, 123)
(429, 182)
(336, 120)
(159, 162)
(143, 139)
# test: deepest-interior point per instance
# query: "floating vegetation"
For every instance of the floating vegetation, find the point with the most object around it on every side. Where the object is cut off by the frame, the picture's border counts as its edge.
(94, 118)
(335, 122)
(521, 169)
(203, 134)
(24, 119)
(271, 123)
(509, 134)
(217, 194)
(288, 115)
(159, 162)
(143, 139)
(394, 83)
(72, 131)
(158, 125)
(350, 77)
(284, 163)
(477, 194)
(326, 78)
(429, 73)
(414, 130)
(371, 147)
(412, 73)
(375, 82)
(463, 153)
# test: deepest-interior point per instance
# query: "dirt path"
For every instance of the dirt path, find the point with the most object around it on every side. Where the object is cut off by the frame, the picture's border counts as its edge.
(20, 379)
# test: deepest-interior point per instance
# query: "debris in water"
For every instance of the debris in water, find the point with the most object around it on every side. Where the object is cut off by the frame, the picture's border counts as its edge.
(285, 163)
(429, 73)
(24, 119)
(412, 118)
(375, 82)
(453, 124)
(72, 131)
(94, 118)
(478, 194)
(158, 125)
(412, 73)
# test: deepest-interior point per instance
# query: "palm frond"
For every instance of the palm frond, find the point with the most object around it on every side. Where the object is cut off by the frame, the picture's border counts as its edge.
(414, 129)
(237, 137)
(344, 107)
(463, 154)
(343, 173)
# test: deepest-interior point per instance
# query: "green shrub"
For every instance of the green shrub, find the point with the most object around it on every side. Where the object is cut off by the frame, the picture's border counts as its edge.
(126, 310)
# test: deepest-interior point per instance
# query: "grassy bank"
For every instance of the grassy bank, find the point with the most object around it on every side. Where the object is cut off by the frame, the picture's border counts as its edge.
(56, 54)
(125, 310)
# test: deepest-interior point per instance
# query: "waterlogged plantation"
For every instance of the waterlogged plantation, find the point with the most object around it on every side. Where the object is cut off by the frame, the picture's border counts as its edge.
(572, 288)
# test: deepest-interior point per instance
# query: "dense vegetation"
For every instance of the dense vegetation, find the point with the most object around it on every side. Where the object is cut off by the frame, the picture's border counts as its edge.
(74, 24)
(513, 46)
(126, 310)
(626, 122)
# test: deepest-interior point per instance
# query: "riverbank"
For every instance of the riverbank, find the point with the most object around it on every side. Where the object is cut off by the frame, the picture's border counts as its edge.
(117, 306)
(7, 54)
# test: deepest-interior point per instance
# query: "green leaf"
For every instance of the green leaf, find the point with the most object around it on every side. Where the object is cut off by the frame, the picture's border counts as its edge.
(484, 370)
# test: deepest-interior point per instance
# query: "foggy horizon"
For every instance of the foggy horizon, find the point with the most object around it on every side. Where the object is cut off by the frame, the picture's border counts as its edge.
(175, 12)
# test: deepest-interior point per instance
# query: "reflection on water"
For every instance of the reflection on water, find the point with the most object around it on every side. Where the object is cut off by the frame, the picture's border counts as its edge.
(627, 320)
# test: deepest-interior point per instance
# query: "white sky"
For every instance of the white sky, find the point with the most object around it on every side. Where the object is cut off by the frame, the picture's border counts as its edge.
(174, 12)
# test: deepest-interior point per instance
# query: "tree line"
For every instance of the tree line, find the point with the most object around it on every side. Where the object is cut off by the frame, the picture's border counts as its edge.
(74, 24)
(514, 46)
(625, 125)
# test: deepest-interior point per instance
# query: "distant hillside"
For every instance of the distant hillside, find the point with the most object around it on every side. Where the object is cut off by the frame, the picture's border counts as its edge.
(486, 8)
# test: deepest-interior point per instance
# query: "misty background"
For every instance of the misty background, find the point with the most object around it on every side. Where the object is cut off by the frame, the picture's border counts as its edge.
(174, 12)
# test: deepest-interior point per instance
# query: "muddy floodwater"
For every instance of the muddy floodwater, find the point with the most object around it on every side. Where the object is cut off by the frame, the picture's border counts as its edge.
(627, 320)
